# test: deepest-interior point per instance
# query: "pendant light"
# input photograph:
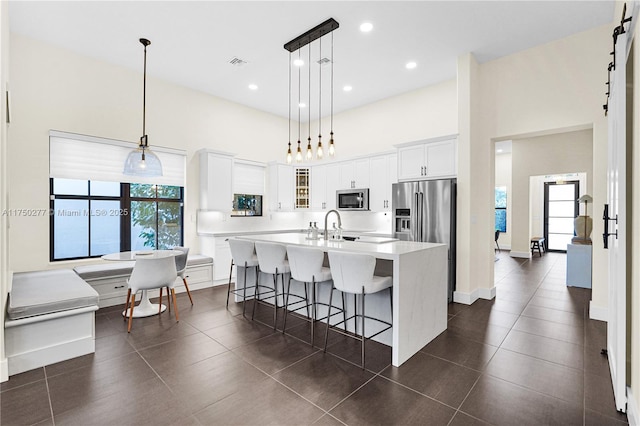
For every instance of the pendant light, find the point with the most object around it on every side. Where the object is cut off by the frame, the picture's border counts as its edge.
(142, 161)
(297, 43)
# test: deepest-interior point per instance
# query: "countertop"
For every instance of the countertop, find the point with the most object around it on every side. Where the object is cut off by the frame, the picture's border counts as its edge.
(387, 250)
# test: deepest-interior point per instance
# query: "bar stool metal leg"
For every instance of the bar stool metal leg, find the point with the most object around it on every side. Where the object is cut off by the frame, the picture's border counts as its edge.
(229, 286)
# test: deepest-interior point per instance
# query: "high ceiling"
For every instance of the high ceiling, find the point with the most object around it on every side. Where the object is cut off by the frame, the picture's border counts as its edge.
(194, 41)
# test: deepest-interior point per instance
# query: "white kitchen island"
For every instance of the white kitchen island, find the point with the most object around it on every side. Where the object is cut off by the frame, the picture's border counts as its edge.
(419, 273)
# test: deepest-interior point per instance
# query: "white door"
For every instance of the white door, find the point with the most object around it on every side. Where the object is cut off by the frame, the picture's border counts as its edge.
(616, 190)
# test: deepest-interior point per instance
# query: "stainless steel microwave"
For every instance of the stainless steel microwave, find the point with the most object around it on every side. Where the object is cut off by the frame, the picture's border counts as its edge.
(352, 199)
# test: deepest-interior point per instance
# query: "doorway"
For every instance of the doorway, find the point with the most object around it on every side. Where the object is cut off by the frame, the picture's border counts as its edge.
(560, 210)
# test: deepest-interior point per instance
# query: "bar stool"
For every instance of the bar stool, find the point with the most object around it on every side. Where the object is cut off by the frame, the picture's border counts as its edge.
(306, 267)
(538, 243)
(353, 273)
(272, 259)
(242, 254)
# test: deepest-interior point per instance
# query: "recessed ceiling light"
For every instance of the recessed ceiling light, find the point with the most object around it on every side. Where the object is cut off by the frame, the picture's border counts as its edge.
(499, 150)
(411, 65)
(298, 62)
(253, 86)
(347, 88)
(365, 27)
(302, 105)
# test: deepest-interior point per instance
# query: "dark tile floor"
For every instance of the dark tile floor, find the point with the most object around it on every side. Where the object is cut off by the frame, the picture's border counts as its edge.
(529, 357)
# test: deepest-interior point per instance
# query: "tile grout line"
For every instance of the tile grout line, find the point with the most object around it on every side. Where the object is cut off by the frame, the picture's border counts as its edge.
(46, 382)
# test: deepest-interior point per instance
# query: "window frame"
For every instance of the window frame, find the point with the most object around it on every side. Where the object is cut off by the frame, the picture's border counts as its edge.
(496, 208)
(125, 219)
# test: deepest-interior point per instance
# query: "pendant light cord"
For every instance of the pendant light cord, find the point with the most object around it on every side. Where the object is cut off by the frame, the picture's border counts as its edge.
(143, 139)
(298, 100)
(320, 92)
(309, 138)
(289, 134)
(331, 85)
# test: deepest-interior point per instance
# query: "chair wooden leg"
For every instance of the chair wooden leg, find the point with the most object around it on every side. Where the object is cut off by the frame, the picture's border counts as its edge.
(186, 287)
(160, 301)
(126, 305)
(175, 305)
(133, 302)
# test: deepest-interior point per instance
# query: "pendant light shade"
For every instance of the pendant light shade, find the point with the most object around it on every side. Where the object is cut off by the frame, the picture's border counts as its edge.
(142, 161)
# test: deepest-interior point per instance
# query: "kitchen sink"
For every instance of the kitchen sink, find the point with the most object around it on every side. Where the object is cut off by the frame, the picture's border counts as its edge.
(369, 239)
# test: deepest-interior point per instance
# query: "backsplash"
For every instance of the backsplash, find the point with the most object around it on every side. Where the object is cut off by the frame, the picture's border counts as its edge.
(212, 222)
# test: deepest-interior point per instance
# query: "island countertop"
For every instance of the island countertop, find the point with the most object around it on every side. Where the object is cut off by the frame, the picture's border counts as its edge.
(419, 272)
(390, 250)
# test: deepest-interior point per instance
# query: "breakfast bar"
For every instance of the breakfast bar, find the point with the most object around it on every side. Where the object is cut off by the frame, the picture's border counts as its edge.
(419, 272)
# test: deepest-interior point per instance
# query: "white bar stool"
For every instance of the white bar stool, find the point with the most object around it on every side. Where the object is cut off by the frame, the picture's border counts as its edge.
(353, 273)
(306, 267)
(242, 254)
(272, 259)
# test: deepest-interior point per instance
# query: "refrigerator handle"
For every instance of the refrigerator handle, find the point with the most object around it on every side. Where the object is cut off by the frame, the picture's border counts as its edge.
(416, 217)
(421, 216)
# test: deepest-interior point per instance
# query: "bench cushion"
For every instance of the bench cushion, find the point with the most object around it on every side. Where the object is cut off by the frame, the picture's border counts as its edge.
(198, 259)
(45, 292)
(114, 269)
(102, 270)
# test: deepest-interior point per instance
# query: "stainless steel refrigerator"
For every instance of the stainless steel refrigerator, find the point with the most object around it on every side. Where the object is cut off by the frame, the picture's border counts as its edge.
(426, 211)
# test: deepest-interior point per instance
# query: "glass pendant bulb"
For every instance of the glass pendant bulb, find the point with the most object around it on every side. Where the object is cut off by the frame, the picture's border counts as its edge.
(309, 151)
(299, 153)
(142, 162)
(289, 156)
(319, 152)
(332, 148)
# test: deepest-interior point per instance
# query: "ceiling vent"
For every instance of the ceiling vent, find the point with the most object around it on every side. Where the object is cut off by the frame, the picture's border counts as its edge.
(324, 61)
(237, 61)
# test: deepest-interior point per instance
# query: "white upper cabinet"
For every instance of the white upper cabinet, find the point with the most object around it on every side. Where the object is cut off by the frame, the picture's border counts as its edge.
(428, 159)
(383, 175)
(281, 187)
(319, 188)
(333, 184)
(216, 181)
(354, 174)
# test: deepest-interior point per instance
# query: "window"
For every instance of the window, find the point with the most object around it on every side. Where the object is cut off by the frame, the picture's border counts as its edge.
(93, 218)
(501, 208)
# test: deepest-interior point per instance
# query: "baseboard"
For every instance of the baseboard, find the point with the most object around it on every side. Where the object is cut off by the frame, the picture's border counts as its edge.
(487, 293)
(4, 370)
(598, 313)
(465, 298)
(521, 254)
(633, 415)
(37, 358)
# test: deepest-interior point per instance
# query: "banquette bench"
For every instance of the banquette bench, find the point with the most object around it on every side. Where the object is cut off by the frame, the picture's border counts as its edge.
(51, 314)
(50, 318)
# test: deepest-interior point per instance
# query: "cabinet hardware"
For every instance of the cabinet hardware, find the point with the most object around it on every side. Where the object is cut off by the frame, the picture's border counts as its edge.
(119, 286)
(279, 205)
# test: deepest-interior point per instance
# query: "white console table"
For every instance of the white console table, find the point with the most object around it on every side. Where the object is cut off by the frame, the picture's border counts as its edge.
(579, 265)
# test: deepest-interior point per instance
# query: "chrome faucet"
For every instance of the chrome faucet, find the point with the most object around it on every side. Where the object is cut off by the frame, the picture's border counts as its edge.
(326, 216)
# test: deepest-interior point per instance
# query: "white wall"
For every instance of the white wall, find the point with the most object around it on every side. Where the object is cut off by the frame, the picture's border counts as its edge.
(544, 90)
(4, 181)
(544, 155)
(57, 89)
(503, 178)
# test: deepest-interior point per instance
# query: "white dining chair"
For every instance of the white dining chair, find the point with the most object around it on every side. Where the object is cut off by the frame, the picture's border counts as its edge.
(181, 267)
(151, 274)
(353, 273)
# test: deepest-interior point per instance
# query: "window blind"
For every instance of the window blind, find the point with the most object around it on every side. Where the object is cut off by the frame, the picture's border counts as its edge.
(73, 156)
